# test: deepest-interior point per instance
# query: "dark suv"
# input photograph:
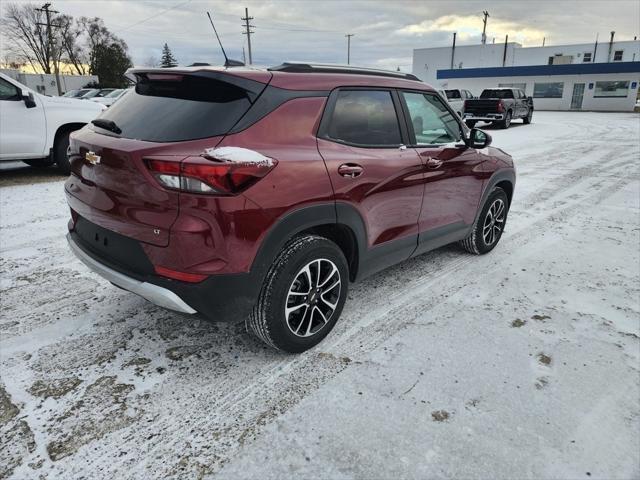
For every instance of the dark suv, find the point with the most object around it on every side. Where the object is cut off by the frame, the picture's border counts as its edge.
(254, 194)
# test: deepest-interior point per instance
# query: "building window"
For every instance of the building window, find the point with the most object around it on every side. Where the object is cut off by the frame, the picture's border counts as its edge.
(617, 56)
(521, 86)
(587, 57)
(611, 89)
(548, 90)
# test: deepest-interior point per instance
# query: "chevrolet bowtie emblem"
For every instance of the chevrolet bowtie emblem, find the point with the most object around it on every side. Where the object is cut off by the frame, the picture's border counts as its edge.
(92, 158)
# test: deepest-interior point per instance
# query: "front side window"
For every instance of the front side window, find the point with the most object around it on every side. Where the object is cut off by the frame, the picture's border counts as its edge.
(611, 89)
(365, 118)
(8, 91)
(617, 56)
(431, 121)
(548, 90)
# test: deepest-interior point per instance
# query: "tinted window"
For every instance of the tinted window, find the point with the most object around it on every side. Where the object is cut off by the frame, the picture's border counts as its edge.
(8, 91)
(183, 108)
(496, 94)
(431, 120)
(548, 90)
(453, 94)
(364, 117)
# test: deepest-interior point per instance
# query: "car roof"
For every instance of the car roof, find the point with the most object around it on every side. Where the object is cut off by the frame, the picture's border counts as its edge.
(327, 77)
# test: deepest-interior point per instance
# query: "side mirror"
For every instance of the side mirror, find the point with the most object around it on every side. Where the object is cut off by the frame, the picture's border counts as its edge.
(478, 139)
(530, 99)
(27, 97)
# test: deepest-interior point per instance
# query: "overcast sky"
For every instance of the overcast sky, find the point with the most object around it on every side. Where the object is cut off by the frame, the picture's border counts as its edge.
(386, 31)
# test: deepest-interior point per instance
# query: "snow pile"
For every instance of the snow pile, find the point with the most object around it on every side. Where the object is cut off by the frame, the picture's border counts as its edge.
(238, 155)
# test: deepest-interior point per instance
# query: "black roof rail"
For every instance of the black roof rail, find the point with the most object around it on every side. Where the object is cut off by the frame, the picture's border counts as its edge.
(295, 67)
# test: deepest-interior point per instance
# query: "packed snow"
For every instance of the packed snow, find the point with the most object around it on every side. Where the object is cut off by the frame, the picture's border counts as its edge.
(243, 156)
(523, 363)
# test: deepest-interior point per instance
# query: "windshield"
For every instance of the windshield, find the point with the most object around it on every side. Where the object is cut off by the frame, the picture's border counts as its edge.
(496, 94)
(90, 93)
(178, 108)
(453, 94)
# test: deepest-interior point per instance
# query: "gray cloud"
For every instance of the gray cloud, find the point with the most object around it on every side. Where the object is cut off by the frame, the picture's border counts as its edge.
(314, 30)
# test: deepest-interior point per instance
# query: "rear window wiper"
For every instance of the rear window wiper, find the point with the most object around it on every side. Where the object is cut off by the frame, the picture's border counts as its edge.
(107, 125)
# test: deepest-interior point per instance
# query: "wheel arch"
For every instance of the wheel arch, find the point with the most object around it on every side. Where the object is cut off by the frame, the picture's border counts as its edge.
(340, 223)
(61, 130)
(505, 179)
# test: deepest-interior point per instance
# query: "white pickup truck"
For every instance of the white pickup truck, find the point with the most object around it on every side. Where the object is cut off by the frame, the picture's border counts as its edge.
(35, 128)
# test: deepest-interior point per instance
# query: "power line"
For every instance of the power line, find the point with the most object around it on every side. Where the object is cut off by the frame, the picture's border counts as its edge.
(248, 31)
(153, 16)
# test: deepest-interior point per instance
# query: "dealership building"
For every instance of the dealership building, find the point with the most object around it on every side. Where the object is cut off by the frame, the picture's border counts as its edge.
(595, 76)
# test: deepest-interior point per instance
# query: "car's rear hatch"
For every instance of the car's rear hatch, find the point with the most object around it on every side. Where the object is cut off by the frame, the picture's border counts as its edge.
(170, 115)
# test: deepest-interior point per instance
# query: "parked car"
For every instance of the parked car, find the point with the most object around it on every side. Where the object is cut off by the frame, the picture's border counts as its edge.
(110, 97)
(303, 178)
(456, 98)
(499, 106)
(35, 128)
(77, 93)
(96, 93)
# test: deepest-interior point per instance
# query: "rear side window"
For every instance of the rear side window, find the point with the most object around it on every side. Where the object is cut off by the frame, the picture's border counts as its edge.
(496, 94)
(364, 118)
(174, 108)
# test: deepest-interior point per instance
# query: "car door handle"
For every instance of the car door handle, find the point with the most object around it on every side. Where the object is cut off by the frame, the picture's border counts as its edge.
(350, 170)
(433, 162)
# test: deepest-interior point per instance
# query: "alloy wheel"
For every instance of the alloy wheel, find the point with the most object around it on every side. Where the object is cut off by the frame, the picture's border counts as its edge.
(494, 222)
(313, 297)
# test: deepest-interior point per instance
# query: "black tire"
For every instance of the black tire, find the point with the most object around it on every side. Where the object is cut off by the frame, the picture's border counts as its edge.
(507, 120)
(39, 162)
(285, 285)
(477, 241)
(60, 152)
(470, 123)
(527, 120)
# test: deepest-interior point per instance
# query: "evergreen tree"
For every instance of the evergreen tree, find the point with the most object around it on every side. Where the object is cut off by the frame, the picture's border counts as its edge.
(168, 60)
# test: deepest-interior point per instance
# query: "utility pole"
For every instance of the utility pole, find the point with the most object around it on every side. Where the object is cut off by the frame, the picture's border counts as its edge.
(349, 35)
(484, 28)
(50, 53)
(248, 31)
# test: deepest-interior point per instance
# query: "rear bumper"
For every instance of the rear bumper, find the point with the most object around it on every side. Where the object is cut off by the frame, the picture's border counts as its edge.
(487, 117)
(154, 293)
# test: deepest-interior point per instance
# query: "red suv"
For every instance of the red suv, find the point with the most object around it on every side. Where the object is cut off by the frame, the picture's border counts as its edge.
(257, 194)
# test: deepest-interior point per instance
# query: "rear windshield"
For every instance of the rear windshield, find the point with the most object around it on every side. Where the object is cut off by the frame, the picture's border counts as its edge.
(496, 94)
(176, 108)
(453, 94)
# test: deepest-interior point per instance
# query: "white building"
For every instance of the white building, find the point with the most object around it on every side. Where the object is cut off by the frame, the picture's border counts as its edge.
(603, 76)
(46, 83)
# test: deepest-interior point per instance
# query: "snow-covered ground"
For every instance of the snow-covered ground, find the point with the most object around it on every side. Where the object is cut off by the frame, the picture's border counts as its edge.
(524, 363)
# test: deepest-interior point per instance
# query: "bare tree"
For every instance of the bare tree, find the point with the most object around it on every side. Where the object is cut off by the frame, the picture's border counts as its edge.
(26, 33)
(75, 54)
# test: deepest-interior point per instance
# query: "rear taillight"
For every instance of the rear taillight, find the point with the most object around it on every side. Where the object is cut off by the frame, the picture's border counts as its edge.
(500, 106)
(209, 176)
